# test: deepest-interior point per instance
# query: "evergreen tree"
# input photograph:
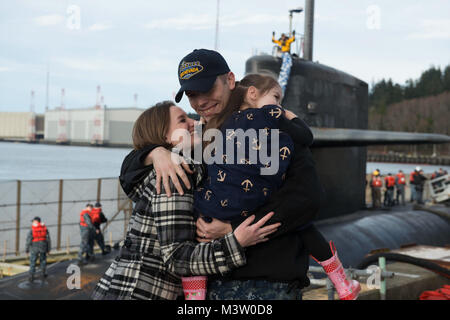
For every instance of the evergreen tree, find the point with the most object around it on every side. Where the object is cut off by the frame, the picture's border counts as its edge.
(446, 79)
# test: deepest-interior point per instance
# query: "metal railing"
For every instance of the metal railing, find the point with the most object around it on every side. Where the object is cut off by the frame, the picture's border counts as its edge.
(58, 203)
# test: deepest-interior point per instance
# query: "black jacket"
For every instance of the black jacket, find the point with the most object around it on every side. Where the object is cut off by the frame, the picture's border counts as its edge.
(419, 181)
(283, 258)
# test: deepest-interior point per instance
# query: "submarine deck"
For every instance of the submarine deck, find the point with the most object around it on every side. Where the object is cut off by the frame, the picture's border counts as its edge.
(364, 224)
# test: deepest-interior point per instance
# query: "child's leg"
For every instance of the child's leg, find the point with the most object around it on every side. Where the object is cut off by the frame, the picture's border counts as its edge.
(194, 287)
(325, 254)
(315, 243)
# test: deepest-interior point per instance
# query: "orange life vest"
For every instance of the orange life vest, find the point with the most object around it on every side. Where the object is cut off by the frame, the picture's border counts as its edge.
(39, 231)
(95, 215)
(82, 213)
(376, 182)
(389, 181)
(401, 178)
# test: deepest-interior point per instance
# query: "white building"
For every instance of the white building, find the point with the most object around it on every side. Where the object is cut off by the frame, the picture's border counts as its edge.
(91, 126)
(18, 126)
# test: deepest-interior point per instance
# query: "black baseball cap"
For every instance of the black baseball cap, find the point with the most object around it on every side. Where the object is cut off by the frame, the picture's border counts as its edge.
(198, 71)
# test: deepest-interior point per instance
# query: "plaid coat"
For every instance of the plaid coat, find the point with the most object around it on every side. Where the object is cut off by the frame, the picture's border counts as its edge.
(160, 247)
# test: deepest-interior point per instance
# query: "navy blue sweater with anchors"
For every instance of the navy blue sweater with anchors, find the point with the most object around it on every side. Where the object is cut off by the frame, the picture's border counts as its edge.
(235, 187)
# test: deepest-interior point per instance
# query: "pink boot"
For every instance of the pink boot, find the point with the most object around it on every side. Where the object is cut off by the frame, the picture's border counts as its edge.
(194, 287)
(347, 290)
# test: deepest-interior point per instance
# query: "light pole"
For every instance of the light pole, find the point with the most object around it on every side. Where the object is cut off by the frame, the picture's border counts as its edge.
(291, 13)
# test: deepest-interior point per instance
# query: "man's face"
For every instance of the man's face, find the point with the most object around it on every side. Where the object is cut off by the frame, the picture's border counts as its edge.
(208, 104)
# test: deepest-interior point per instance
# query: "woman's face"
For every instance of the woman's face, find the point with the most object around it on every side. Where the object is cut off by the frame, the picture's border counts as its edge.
(181, 128)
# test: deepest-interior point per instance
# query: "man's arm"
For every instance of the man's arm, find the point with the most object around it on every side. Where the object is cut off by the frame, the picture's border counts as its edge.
(28, 241)
(136, 167)
(297, 129)
(133, 169)
(49, 242)
(103, 218)
(88, 221)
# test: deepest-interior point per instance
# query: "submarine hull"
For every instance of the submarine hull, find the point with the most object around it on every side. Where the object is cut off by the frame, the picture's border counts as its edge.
(357, 234)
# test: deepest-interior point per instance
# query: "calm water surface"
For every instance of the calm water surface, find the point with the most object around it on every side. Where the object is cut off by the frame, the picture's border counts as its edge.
(23, 161)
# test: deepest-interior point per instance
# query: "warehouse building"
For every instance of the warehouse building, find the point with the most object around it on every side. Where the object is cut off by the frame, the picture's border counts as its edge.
(21, 126)
(100, 126)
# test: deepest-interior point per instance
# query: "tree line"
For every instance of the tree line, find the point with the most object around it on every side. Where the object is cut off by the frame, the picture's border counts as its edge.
(421, 105)
(431, 82)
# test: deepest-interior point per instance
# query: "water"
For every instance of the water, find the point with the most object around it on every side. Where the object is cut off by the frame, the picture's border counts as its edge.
(23, 161)
(393, 168)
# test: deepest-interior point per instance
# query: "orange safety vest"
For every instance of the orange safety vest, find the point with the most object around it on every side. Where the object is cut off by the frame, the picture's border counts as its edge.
(95, 215)
(389, 181)
(376, 182)
(82, 213)
(401, 178)
(39, 231)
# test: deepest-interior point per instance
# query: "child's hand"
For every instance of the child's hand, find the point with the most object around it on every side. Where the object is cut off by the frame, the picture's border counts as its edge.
(289, 114)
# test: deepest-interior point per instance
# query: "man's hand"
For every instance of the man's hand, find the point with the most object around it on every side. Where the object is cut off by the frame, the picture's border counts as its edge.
(214, 230)
(168, 165)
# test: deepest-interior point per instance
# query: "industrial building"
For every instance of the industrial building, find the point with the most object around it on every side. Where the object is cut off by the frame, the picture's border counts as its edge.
(96, 125)
(21, 126)
(100, 126)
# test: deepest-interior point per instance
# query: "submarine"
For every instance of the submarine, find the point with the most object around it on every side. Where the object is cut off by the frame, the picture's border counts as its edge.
(335, 105)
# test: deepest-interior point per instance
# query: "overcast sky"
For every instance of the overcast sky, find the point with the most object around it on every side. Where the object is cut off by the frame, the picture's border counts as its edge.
(135, 46)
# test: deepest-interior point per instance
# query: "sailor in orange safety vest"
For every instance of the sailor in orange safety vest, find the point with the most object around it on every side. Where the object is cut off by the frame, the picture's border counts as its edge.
(38, 245)
(400, 182)
(376, 184)
(87, 231)
(412, 186)
(389, 182)
(98, 218)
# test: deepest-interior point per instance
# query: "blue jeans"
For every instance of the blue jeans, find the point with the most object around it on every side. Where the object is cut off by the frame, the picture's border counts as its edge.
(251, 290)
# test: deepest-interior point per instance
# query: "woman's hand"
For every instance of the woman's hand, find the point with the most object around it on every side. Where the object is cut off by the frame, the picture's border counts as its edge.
(168, 165)
(208, 231)
(248, 234)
